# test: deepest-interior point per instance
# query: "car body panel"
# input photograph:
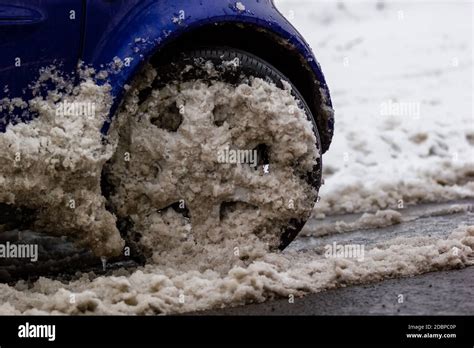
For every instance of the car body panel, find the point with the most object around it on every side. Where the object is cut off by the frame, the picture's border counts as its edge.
(130, 32)
(30, 40)
(134, 30)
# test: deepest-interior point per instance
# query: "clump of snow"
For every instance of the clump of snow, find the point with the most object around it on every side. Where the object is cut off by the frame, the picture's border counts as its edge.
(381, 218)
(53, 164)
(239, 6)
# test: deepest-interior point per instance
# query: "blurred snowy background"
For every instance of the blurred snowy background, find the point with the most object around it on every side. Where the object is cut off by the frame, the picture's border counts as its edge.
(401, 76)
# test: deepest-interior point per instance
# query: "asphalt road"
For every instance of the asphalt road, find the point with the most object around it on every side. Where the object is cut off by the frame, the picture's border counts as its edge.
(437, 293)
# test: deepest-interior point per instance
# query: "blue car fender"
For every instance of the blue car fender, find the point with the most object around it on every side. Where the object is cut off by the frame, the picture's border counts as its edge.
(131, 32)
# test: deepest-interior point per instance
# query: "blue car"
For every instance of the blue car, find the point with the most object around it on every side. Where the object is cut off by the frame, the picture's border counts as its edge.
(171, 36)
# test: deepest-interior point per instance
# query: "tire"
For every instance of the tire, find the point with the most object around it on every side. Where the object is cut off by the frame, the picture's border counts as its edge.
(183, 68)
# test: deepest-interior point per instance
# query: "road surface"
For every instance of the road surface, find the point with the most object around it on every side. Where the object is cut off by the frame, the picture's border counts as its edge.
(437, 293)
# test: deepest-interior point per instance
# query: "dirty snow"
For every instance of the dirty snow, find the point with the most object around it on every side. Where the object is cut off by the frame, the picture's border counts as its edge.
(401, 78)
(53, 164)
(154, 290)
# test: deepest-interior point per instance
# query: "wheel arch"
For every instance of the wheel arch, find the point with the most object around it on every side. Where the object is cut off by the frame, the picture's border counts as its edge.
(260, 30)
(273, 49)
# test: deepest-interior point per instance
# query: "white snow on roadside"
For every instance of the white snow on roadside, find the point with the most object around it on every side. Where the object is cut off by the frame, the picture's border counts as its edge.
(382, 218)
(400, 74)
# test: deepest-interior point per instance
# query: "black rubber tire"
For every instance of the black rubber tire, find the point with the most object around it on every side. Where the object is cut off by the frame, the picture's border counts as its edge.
(173, 68)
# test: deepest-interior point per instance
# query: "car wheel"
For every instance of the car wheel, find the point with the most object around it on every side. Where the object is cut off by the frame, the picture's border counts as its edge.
(179, 187)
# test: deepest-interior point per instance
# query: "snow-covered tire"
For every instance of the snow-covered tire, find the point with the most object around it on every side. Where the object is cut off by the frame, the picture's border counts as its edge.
(137, 191)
